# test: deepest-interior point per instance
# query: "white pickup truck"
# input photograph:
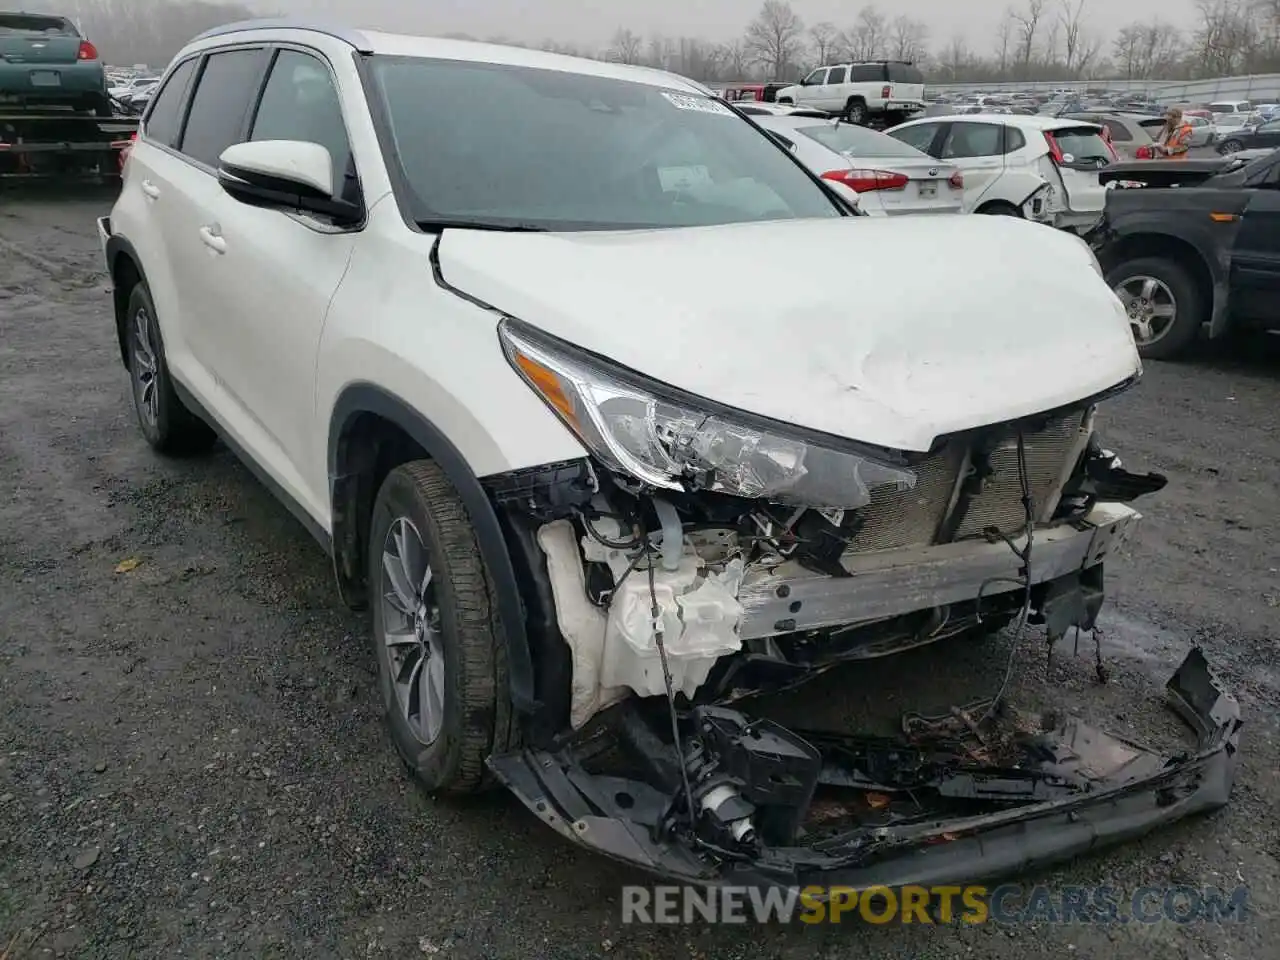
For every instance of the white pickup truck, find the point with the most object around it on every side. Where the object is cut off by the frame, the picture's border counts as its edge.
(892, 89)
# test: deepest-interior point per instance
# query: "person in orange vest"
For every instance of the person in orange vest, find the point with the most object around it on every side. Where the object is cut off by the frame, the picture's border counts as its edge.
(1175, 136)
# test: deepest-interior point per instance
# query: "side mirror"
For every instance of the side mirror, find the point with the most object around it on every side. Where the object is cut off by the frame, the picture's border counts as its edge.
(287, 174)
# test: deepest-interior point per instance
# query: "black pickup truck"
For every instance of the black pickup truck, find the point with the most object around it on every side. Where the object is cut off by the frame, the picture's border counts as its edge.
(1192, 247)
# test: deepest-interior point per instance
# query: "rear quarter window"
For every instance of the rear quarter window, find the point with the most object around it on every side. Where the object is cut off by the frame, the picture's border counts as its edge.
(867, 73)
(904, 73)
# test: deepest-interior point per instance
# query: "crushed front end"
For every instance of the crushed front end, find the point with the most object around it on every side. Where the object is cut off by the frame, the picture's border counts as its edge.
(701, 557)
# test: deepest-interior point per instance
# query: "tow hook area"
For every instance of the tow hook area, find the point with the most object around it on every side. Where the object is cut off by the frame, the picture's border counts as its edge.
(978, 791)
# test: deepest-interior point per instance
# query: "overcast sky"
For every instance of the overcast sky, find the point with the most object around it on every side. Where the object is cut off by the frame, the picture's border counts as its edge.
(594, 21)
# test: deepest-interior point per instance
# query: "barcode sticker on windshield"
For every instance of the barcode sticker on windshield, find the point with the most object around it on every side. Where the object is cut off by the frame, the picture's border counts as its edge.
(700, 104)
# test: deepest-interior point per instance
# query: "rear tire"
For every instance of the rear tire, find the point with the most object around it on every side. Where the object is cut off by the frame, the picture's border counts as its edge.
(855, 111)
(168, 426)
(449, 653)
(1230, 146)
(1172, 282)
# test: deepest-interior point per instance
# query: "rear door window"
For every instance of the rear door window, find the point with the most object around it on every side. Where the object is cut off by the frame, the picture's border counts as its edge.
(220, 104)
(920, 135)
(837, 75)
(165, 118)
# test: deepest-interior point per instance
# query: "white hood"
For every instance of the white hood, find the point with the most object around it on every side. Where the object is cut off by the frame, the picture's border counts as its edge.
(889, 331)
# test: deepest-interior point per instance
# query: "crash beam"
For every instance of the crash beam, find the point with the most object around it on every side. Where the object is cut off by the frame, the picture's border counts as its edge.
(789, 598)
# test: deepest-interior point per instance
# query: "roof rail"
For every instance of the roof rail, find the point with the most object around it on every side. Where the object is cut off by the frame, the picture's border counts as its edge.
(353, 37)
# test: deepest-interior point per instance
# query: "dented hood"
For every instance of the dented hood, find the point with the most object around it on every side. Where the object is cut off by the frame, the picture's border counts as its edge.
(890, 331)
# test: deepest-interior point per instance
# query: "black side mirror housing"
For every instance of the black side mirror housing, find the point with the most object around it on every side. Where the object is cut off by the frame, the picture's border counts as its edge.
(261, 190)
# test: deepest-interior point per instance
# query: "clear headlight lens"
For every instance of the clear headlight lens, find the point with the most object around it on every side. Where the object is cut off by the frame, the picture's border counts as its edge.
(650, 433)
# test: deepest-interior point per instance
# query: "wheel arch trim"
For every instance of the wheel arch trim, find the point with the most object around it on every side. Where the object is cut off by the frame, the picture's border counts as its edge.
(361, 398)
(118, 246)
(1215, 258)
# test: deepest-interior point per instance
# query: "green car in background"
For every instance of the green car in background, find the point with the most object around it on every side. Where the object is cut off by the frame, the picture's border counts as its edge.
(46, 62)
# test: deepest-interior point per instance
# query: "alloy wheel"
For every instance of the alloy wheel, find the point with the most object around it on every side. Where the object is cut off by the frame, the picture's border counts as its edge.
(145, 368)
(1150, 306)
(411, 631)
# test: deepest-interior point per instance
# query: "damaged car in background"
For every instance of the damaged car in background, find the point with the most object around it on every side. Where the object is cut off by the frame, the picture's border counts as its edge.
(597, 493)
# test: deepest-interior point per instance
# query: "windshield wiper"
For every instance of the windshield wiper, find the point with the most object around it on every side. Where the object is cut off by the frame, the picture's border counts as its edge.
(449, 223)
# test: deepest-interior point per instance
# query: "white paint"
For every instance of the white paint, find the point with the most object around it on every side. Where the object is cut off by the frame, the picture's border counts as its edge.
(295, 161)
(581, 624)
(902, 329)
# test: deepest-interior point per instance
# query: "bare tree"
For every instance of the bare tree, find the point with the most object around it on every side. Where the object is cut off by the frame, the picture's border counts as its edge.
(908, 39)
(868, 37)
(775, 38)
(1027, 27)
(1225, 42)
(627, 46)
(735, 58)
(1072, 19)
(956, 57)
(661, 51)
(1004, 41)
(823, 37)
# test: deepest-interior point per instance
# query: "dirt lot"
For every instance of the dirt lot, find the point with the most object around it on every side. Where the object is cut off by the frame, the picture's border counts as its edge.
(191, 763)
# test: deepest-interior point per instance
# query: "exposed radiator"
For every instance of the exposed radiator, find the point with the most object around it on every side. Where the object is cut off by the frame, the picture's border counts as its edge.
(907, 518)
(912, 518)
(999, 504)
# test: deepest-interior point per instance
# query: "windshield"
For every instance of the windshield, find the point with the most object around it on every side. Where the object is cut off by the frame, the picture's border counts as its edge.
(859, 141)
(500, 145)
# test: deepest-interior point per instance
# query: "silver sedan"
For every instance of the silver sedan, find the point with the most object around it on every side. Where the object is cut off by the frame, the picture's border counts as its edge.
(889, 177)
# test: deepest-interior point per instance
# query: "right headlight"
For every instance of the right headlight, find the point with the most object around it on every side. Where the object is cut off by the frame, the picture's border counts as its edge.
(646, 430)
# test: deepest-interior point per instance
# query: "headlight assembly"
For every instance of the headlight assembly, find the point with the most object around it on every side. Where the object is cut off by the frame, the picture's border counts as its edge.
(651, 432)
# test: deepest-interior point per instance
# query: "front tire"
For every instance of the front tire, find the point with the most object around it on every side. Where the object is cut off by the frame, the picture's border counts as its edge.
(1229, 147)
(168, 426)
(442, 670)
(1165, 305)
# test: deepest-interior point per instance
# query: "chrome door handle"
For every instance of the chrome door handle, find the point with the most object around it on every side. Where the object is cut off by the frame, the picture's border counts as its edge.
(213, 240)
(151, 190)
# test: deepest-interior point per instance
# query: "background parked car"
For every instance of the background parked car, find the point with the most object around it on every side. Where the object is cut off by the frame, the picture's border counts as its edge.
(1042, 168)
(888, 90)
(889, 177)
(47, 61)
(1264, 135)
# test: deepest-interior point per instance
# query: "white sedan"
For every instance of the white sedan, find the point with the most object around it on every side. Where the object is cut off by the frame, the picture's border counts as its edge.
(1041, 168)
(889, 177)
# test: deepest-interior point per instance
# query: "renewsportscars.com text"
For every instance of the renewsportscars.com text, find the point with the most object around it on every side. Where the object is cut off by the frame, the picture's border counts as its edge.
(1007, 904)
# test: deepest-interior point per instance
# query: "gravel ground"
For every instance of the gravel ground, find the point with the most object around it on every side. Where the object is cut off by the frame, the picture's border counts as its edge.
(191, 763)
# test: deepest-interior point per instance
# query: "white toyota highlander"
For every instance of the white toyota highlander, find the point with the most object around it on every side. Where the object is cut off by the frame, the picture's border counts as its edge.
(476, 315)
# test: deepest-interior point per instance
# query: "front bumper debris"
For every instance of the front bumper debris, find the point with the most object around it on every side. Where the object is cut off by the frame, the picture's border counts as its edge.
(923, 809)
(789, 598)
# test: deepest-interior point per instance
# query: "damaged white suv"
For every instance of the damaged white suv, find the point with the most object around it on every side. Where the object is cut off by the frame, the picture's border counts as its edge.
(476, 314)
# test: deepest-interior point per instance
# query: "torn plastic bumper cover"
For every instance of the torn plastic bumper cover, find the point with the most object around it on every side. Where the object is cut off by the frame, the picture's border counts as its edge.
(925, 808)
